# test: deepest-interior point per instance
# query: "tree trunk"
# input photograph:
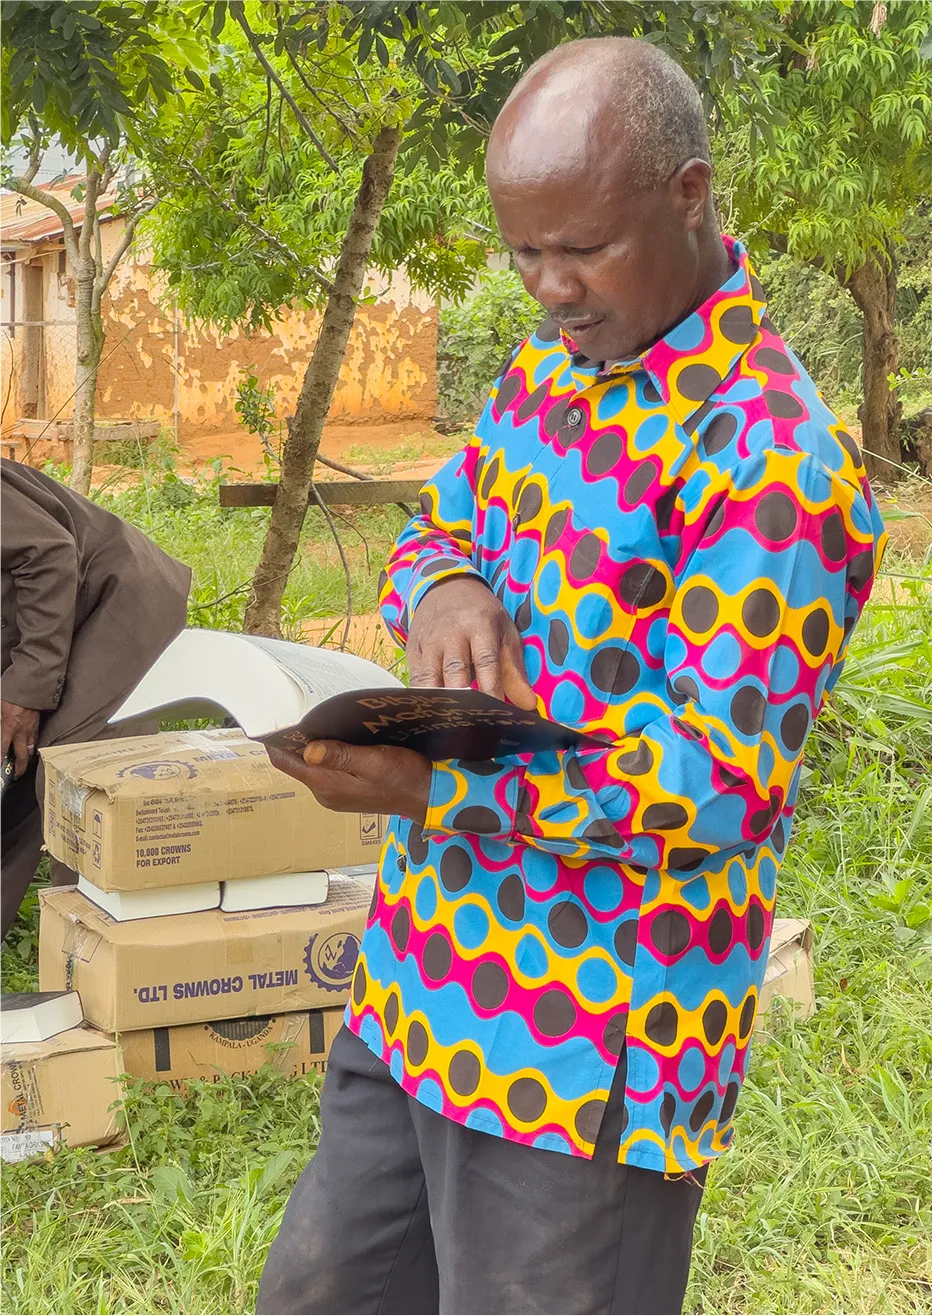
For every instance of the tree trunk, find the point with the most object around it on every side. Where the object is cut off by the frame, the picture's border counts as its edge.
(873, 287)
(263, 611)
(90, 337)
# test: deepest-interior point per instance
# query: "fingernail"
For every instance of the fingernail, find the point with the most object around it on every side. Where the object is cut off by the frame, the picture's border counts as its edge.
(315, 752)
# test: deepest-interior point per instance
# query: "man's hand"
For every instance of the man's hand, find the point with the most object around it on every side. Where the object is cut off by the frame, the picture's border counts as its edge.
(19, 728)
(352, 779)
(460, 631)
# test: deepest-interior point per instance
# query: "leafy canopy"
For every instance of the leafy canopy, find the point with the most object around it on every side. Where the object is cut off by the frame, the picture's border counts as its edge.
(266, 161)
(850, 154)
(85, 70)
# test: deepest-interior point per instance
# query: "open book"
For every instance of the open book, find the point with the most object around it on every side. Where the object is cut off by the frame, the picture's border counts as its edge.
(289, 694)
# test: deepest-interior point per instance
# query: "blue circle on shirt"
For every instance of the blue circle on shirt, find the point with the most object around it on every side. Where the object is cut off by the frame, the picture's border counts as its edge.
(530, 957)
(676, 651)
(568, 702)
(494, 528)
(784, 670)
(650, 431)
(592, 616)
(533, 663)
(726, 1063)
(549, 583)
(371, 1034)
(657, 637)
(722, 657)
(429, 1094)
(767, 877)
(687, 335)
(644, 1073)
(597, 980)
(603, 888)
(486, 1121)
(737, 882)
(691, 1071)
(425, 901)
(470, 926)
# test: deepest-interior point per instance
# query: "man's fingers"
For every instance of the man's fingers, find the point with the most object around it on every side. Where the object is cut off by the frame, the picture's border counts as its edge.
(457, 662)
(286, 761)
(425, 665)
(487, 664)
(333, 755)
(22, 750)
(516, 685)
(7, 740)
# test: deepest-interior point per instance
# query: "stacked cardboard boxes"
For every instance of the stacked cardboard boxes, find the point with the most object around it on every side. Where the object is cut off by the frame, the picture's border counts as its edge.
(210, 992)
(195, 995)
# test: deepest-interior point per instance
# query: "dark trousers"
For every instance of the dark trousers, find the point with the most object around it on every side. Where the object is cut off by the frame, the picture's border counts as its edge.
(403, 1211)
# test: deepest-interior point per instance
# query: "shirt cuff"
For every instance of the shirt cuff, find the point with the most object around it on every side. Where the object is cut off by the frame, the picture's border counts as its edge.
(480, 798)
(433, 572)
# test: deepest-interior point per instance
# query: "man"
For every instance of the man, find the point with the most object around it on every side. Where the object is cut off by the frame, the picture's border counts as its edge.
(659, 531)
(89, 603)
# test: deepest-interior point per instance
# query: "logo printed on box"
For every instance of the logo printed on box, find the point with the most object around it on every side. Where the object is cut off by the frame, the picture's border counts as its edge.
(371, 830)
(159, 770)
(330, 960)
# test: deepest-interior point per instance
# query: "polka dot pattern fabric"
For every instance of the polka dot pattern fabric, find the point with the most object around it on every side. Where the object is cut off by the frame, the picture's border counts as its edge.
(684, 541)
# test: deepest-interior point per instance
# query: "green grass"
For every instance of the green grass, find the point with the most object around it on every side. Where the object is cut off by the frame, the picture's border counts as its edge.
(222, 546)
(825, 1203)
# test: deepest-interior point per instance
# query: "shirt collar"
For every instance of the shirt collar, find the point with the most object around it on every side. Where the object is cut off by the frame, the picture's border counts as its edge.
(692, 360)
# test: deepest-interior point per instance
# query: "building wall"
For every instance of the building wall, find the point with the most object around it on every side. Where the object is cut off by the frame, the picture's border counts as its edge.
(388, 374)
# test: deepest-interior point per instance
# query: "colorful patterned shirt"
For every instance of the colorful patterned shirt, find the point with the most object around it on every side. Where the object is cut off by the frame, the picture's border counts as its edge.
(684, 541)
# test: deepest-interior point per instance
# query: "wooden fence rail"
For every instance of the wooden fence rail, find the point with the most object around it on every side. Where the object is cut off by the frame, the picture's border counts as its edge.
(347, 493)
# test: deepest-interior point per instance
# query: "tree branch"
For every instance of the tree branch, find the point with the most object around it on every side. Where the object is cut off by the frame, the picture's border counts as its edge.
(25, 188)
(348, 576)
(266, 236)
(91, 193)
(341, 123)
(238, 10)
(107, 271)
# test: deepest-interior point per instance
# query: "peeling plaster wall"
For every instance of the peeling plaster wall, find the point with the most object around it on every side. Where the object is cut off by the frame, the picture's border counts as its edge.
(388, 374)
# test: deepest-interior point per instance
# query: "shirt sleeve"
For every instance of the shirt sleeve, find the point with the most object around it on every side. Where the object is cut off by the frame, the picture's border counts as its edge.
(41, 556)
(756, 635)
(439, 542)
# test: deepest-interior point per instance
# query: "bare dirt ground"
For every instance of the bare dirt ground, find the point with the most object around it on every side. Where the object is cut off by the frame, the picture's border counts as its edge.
(907, 512)
(341, 442)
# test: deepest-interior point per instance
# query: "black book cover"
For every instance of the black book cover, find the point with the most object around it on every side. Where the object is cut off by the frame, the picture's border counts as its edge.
(440, 724)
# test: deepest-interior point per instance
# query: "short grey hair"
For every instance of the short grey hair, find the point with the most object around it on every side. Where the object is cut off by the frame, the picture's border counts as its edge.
(652, 96)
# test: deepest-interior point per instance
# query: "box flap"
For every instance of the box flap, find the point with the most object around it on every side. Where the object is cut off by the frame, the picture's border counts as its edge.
(67, 1043)
(223, 761)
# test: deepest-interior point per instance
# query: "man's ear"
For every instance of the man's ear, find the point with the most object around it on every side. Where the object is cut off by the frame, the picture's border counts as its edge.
(691, 187)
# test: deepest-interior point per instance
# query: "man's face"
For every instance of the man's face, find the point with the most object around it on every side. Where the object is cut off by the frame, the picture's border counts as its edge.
(614, 267)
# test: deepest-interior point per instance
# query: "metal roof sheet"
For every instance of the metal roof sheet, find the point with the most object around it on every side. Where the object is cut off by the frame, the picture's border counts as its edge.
(24, 221)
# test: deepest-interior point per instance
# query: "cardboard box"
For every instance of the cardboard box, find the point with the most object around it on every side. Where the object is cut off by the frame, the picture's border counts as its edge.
(59, 1092)
(187, 968)
(789, 968)
(294, 1044)
(190, 806)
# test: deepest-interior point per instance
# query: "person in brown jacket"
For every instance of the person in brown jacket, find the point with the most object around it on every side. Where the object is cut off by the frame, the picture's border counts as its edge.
(88, 604)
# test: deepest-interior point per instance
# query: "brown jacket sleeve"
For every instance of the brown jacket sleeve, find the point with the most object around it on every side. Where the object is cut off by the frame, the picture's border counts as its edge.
(41, 557)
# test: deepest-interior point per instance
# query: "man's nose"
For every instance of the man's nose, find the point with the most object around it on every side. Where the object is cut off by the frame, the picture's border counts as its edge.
(559, 286)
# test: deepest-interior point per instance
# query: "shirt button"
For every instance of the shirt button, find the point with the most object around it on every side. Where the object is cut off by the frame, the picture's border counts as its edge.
(401, 863)
(574, 416)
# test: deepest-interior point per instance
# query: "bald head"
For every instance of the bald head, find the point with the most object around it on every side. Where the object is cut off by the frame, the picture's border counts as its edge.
(598, 169)
(611, 102)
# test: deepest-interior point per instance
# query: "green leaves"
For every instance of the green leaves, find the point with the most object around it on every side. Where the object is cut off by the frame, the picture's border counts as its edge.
(88, 69)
